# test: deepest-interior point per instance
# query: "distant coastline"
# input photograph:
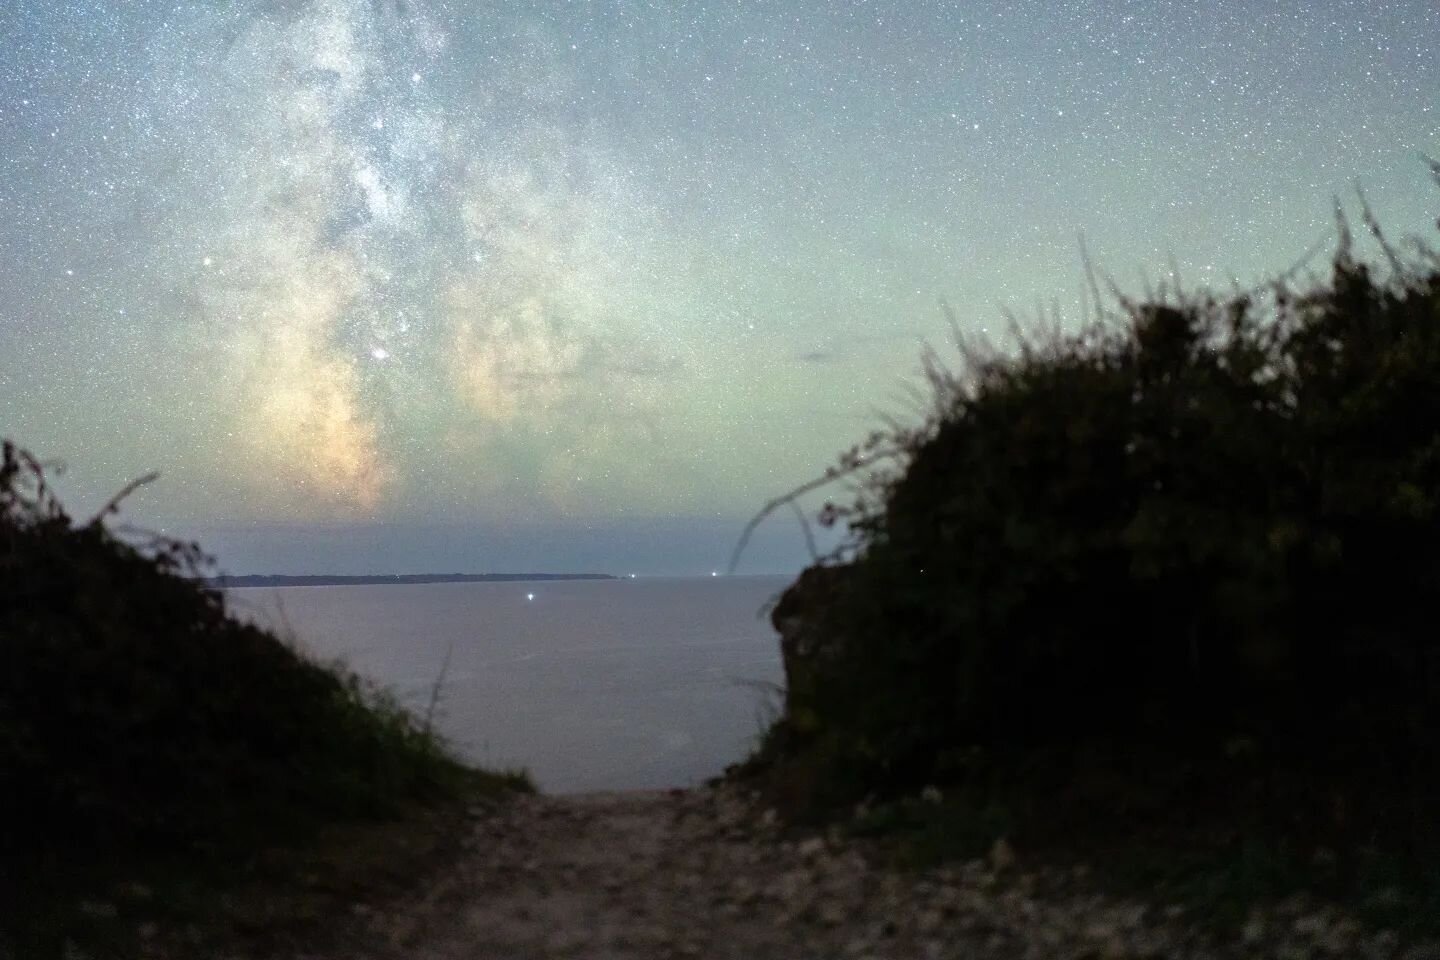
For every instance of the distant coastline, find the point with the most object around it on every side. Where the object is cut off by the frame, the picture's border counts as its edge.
(323, 580)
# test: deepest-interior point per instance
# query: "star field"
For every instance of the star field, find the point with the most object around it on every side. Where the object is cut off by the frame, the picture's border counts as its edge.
(416, 261)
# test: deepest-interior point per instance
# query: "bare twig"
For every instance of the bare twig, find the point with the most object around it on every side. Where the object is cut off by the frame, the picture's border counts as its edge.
(113, 504)
(1342, 226)
(805, 529)
(1278, 282)
(952, 320)
(1433, 164)
(1372, 223)
(769, 702)
(435, 688)
(286, 630)
(1175, 281)
(831, 475)
(1017, 332)
(1092, 279)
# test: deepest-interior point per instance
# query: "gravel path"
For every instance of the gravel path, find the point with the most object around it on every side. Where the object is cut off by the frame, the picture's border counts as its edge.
(704, 874)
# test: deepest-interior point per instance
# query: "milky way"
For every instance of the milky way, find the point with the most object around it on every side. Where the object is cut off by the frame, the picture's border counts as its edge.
(360, 260)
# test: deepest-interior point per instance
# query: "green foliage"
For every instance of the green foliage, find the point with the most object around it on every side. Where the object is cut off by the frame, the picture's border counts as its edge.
(1205, 532)
(140, 722)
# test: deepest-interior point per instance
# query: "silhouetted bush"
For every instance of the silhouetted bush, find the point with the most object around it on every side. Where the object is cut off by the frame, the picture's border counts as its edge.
(1200, 540)
(139, 721)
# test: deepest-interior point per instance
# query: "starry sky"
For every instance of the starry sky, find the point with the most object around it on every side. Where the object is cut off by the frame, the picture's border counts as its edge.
(417, 285)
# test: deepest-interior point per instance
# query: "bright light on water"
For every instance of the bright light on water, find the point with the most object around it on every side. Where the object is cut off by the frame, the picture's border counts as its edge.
(654, 683)
(529, 596)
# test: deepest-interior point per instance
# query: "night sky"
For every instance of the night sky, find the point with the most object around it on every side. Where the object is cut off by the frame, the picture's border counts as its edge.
(416, 286)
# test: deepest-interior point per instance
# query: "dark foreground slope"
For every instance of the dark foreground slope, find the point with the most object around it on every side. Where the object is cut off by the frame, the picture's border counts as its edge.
(147, 737)
(1168, 583)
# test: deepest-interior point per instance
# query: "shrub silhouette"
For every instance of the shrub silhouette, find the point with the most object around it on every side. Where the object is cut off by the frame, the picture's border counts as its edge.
(1202, 530)
(139, 722)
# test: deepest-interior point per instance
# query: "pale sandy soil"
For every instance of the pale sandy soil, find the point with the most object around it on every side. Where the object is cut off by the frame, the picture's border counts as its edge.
(708, 874)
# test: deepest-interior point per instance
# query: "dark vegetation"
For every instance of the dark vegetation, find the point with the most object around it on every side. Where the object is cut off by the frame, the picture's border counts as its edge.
(151, 742)
(1159, 594)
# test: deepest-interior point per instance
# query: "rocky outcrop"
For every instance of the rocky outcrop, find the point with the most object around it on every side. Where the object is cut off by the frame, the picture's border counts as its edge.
(808, 646)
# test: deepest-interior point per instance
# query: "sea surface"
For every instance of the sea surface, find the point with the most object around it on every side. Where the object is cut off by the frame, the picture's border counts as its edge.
(590, 685)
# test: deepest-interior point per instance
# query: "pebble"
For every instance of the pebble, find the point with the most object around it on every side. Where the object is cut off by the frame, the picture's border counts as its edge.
(811, 847)
(1002, 855)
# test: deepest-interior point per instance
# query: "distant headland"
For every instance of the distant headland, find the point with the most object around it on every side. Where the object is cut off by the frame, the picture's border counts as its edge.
(325, 580)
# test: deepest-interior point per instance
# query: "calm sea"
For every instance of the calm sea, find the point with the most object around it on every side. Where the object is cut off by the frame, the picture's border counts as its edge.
(591, 685)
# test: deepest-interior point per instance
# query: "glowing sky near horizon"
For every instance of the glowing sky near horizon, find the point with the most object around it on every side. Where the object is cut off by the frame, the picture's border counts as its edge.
(416, 261)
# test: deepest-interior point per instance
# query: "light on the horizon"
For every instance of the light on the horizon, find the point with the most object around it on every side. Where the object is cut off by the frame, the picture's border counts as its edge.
(714, 573)
(529, 596)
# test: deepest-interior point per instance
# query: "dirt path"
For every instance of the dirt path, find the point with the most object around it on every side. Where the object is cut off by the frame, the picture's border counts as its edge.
(703, 874)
